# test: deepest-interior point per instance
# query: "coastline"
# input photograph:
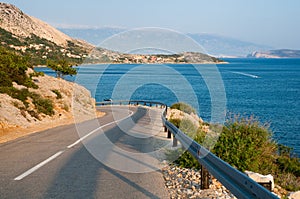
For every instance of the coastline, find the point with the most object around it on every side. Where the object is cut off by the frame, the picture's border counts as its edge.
(185, 63)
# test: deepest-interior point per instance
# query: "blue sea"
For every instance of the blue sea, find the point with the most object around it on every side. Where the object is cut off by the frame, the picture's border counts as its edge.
(269, 89)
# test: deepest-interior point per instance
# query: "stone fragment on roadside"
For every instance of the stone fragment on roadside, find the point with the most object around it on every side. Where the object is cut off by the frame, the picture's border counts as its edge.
(261, 178)
(294, 195)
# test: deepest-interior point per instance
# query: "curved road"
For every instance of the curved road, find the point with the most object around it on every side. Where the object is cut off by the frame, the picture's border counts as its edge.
(58, 163)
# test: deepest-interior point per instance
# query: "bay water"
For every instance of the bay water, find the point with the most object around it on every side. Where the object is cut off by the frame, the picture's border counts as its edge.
(269, 89)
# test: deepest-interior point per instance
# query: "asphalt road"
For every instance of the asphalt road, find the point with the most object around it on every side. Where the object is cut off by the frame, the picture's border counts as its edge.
(110, 157)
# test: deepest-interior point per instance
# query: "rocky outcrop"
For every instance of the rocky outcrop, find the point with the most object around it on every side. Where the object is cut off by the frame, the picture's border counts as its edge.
(261, 178)
(69, 100)
(294, 195)
(281, 53)
(195, 119)
(177, 114)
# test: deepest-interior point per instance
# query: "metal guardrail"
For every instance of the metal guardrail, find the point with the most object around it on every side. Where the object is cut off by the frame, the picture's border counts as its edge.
(237, 182)
(132, 102)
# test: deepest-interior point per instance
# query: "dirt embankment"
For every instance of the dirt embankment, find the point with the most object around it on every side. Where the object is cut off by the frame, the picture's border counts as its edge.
(69, 100)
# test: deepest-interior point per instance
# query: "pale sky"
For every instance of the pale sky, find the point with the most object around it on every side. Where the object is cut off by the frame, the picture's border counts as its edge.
(270, 22)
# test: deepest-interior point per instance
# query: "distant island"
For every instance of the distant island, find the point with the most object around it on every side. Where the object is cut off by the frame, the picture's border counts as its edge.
(107, 56)
(280, 53)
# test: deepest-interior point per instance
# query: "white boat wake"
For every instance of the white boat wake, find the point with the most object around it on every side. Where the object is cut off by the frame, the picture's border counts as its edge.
(246, 74)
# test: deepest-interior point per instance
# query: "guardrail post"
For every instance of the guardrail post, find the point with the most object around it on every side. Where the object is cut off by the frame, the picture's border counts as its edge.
(169, 133)
(204, 178)
(174, 141)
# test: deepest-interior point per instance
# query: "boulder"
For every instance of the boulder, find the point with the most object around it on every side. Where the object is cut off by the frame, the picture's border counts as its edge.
(294, 195)
(261, 178)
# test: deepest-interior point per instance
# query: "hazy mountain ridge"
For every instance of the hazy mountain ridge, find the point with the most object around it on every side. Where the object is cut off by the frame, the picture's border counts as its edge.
(279, 53)
(214, 45)
(221, 46)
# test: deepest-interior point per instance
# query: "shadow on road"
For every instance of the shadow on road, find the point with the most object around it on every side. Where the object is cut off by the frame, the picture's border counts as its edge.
(83, 176)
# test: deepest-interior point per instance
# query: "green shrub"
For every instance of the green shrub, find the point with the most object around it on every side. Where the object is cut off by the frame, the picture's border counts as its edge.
(43, 105)
(5, 79)
(58, 94)
(244, 142)
(289, 165)
(21, 95)
(183, 107)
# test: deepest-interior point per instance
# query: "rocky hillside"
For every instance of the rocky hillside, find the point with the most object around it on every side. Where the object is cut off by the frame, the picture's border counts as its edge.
(31, 101)
(65, 98)
(30, 36)
(15, 21)
(281, 53)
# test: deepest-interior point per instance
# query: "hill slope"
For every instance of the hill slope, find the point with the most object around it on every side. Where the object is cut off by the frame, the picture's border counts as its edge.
(30, 36)
(21, 25)
(30, 101)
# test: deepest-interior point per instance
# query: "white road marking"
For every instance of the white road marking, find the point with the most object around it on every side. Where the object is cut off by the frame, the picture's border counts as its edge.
(33, 169)
(84, 137)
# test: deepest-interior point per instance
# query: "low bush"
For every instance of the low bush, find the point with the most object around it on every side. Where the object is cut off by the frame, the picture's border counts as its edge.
(43, 105)
(244, 142)
(183, 107)
(58, 94)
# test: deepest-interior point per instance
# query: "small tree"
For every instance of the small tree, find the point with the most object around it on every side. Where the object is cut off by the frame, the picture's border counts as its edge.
(62, 68)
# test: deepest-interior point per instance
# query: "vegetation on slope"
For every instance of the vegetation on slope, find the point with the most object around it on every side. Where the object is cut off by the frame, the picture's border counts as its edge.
(40, 50)
(13, 69)
(246, 145)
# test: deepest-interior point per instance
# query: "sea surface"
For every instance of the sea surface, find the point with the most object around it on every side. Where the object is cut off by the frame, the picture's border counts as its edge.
(269, 89)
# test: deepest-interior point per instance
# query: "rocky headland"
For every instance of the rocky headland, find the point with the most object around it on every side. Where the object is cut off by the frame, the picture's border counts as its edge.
(281, 53)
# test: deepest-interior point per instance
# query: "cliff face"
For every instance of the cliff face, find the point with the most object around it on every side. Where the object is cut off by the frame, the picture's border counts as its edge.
(281, 53)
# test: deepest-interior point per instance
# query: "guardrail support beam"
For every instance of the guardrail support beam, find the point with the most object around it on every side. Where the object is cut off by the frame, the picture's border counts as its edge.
(169, 133)
(174, 141)
(204, 178)
(165, 129)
